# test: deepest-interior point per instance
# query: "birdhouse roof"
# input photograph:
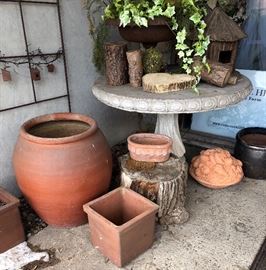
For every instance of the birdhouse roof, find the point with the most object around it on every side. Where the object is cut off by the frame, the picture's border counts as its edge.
(220, 27)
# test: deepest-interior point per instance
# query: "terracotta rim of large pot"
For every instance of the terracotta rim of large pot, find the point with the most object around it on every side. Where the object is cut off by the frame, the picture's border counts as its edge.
(165, 141)
(57, 117)
(251, 130)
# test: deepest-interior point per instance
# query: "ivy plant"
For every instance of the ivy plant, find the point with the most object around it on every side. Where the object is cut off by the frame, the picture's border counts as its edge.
(191, 13)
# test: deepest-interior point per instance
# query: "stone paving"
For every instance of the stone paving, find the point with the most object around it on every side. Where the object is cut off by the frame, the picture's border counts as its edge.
(225, 230)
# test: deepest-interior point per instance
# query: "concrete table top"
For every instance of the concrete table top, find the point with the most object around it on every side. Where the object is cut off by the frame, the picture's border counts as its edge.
(167, 106)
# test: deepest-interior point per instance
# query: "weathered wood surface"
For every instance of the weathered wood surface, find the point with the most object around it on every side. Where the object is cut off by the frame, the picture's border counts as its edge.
(164, 184)
(135, 67)
(115, 63)
(218, 75)
(232, 80)
(165, 82)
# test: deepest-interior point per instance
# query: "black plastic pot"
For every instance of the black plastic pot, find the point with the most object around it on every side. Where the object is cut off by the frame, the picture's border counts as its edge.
(250, 148)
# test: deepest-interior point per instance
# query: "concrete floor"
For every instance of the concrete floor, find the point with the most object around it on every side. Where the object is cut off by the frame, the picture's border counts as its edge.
(225, 230)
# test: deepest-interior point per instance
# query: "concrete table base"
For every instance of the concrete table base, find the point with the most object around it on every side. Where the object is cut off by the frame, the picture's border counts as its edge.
(167, 124)
(165, 185)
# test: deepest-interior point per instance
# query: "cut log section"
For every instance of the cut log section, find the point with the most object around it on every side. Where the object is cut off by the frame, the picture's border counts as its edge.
(232, 80)
(164, 184)
(219, 74)
(135, 68)
(165, 82)
(115, 63)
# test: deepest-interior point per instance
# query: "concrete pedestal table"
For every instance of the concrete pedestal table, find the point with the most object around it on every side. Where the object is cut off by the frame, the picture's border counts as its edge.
(167, 106)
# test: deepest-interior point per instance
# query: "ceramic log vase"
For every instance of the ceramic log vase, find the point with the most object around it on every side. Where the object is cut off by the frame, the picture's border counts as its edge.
(62, 161)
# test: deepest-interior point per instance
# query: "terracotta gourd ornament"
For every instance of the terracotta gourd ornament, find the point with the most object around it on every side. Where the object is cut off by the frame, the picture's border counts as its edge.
(216, 168)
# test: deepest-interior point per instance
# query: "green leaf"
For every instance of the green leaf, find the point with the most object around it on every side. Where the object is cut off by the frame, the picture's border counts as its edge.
(124, 18)
(189, 52)
(174, 24)
(181, 54)
(169, 12)
(181, 35)
(140, 21)
(195, 18)
(181, 47)
(195, 89)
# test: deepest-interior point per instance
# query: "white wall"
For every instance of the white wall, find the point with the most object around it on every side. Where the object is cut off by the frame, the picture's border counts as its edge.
(115, 124)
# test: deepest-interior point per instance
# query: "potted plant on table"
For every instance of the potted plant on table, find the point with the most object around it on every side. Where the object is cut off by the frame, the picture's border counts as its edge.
(176, 19)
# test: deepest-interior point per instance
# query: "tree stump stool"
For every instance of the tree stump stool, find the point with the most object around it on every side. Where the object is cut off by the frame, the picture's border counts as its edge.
(164, 183)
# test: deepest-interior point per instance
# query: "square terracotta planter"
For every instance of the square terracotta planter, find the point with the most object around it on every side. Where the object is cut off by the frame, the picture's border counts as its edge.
(11, 228)
(121, 224)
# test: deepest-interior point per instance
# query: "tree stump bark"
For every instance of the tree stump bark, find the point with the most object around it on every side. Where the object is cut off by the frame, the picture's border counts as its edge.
(115, 63)
(219, 74)
(164, 184)
(135, 67)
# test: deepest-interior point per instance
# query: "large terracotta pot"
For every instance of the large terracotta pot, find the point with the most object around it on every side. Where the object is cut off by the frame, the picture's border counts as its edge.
(62, 161)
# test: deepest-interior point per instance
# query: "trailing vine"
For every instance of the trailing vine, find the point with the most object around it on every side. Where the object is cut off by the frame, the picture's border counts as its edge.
(141, 11)
(44, 58)
(97, 29)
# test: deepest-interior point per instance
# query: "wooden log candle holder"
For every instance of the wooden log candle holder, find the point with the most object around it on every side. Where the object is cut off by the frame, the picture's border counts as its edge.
(135, 67)
(115, 63)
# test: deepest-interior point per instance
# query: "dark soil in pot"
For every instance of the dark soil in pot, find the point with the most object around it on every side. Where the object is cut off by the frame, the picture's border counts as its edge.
(255, 139)
(250, 148)
(58, 129)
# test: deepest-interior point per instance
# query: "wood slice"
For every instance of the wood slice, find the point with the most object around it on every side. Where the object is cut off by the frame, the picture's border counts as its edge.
(165, 82)
(115, 63)
(164, 184)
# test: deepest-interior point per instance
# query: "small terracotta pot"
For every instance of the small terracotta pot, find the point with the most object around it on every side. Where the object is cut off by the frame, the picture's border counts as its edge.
(50, 67)
(62, 161)
(35, 74)
(149, 147)
(250, 148)
(6, 75)
(11, 228)
(121, 224)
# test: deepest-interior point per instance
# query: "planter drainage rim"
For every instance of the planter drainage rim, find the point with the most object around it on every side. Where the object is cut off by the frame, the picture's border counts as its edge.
(57, 117)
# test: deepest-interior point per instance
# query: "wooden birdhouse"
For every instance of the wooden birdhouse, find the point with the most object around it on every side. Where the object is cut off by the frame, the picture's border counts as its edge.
(224, 36)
